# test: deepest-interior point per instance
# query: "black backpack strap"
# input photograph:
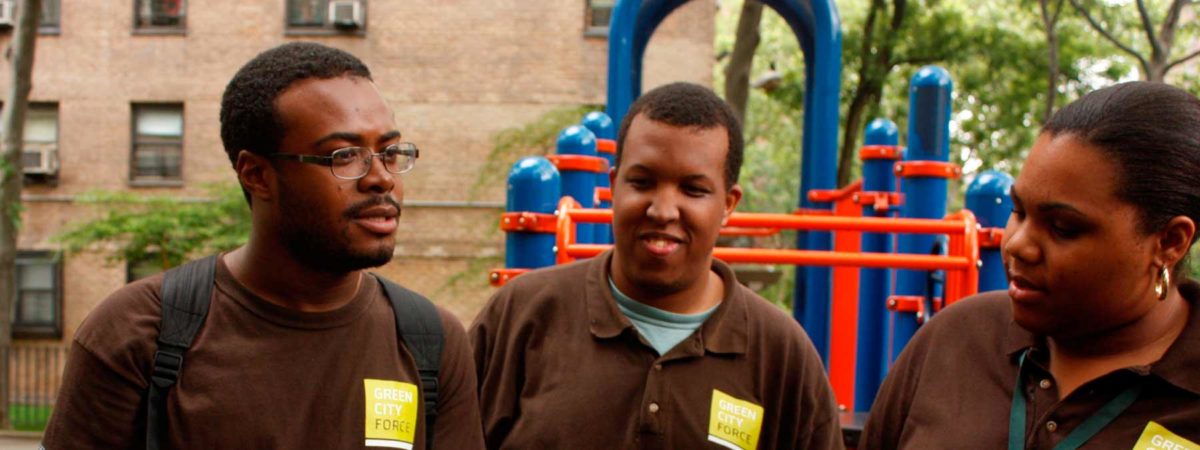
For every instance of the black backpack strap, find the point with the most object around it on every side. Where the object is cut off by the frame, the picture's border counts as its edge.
(419, 327)
(186, 293)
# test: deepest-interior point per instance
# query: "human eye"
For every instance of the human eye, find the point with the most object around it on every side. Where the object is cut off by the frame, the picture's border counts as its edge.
(391, 153)
(639, 182)
(345, 156)
(1064, 229)
(696, 190)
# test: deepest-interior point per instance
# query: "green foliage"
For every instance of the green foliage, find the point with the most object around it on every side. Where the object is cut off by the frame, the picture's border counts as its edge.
(534, 138)
(29, 417)
(174, 229)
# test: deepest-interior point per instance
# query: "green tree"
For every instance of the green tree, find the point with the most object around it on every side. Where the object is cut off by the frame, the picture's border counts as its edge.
(1131, 28)
(171, 228)
(13, 123)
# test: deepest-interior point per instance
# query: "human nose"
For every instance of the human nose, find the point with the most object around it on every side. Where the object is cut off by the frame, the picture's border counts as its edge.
(663, 207)
(377, 178)
(1018, 244)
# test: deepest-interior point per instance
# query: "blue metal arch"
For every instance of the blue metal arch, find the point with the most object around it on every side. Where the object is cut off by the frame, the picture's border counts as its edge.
(818, 30)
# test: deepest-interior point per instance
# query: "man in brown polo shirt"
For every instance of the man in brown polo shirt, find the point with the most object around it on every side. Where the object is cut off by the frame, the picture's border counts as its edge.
(654, 344)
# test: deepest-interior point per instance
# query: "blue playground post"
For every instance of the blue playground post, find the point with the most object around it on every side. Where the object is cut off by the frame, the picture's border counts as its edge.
(533, 186)
(874, 284)
(924, 191)
(990, 198)
(578, 182)
(602, 126)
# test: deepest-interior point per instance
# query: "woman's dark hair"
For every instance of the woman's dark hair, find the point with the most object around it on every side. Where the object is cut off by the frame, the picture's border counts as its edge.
(1152, 132)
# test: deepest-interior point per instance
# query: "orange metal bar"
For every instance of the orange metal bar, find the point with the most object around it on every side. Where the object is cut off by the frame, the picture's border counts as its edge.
(606, 146)
(911, 303)
(582, 163)
(807, 222)
(879, 152)
(934, 169)
(603, 194)
(991, 237)
(806, 257)
(843, 313)
(833, 195)
(527, 222)
(497, 277)
(742, 231)
(564, 237)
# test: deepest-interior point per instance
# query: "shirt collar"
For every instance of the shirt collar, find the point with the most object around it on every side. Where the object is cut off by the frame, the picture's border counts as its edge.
(1177, 365)
(724, 331)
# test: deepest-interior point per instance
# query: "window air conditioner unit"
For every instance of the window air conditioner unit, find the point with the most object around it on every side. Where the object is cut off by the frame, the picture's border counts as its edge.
(344, 14)
(8, 12)
(39, 159)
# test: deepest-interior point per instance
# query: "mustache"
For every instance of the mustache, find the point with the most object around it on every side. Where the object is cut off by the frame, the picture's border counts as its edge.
(356, 209)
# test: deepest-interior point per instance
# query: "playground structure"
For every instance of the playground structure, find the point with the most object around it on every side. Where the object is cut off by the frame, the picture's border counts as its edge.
(874, 259)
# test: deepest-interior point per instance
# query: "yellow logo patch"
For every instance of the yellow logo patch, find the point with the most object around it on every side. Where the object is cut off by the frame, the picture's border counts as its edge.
(1157, 437)
(732, 423)
(391, 413)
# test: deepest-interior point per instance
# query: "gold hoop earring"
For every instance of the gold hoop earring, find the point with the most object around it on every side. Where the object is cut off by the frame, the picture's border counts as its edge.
(1164, 283)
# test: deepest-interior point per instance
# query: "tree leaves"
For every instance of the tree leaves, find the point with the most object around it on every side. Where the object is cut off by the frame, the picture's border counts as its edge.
(175, 229)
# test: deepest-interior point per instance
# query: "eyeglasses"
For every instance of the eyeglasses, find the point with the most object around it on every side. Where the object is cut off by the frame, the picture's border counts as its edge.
(352, 163)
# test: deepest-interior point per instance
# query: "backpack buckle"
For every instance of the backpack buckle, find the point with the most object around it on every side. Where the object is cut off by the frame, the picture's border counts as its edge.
(167, 366)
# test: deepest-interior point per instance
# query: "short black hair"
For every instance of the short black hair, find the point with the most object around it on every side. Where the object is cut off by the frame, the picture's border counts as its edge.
(249, 120)
(1152, 132)
(683, 104)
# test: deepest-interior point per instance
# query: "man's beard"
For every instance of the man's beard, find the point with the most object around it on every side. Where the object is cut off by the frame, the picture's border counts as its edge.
(329, 252)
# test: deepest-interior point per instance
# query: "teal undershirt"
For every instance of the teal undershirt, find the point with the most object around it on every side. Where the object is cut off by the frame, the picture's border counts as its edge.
(662, 329)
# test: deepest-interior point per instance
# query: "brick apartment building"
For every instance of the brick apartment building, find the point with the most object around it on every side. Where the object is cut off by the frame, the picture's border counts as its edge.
(126, 95)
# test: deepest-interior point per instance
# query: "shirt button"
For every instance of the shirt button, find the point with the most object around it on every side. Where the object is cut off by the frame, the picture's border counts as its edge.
(653, 408)
(1045, 384)
(658, 367)
(1051, 426)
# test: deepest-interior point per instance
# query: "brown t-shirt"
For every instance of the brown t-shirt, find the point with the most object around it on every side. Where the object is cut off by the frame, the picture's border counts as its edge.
(952, 387)
(261, 376)
(561, 368)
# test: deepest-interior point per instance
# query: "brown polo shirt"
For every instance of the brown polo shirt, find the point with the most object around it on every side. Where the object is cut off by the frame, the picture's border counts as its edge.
(952, 387)
(560, 367)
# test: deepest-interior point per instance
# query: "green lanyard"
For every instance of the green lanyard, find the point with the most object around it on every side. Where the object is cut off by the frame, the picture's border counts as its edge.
(1081, 434)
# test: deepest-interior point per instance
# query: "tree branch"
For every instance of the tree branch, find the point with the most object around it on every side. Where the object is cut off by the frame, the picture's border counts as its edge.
(1167, 31)
(1057, 11)
(1181, 61)
(1148, 27)
(1106, 35)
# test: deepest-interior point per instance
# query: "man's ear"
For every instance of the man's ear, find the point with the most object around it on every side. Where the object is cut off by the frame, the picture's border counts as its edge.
(612, 177)
(1174, 240)
(256, 174)
(732, 197)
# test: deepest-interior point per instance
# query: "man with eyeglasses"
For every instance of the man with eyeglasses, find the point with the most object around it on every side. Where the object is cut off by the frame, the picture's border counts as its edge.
(299, 347)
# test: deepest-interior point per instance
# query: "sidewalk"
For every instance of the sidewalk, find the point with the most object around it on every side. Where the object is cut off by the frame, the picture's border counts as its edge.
(19, 443)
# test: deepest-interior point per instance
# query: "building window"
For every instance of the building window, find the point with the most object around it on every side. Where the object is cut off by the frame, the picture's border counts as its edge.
(326, 16)
(48, 23)
(39, 155)
(157, 156)
(599, 12)
(159, 15)
(37, 305)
